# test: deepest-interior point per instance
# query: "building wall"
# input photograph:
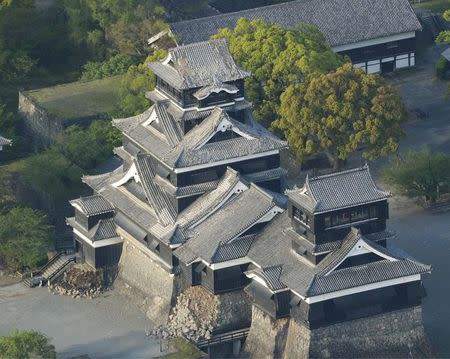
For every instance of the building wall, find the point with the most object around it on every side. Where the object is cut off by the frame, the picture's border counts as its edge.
(359, 305)
(317, 231)
(244, 167)
(108, 255)
(376, 58)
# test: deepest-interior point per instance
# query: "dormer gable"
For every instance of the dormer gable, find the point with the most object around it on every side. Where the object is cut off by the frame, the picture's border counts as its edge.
(162, 124)
(355, 250)
(218, 126)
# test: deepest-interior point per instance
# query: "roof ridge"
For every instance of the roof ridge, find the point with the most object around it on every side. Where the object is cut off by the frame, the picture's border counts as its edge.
(246, 11)
(339, 173)
(196, 44)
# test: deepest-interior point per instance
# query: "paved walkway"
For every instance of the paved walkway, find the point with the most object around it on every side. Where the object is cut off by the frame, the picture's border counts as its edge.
(426, 236)
(105, 327)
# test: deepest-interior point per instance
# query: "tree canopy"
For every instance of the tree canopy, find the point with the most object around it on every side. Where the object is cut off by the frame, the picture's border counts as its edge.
(420, 174)
(25, 238)
(444, 36)
(26, 345)
(137, 81)
(277, 58)
(87, 148)
(340, 112)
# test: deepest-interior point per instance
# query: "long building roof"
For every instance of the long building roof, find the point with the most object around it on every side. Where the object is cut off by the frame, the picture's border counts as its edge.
(342, 22)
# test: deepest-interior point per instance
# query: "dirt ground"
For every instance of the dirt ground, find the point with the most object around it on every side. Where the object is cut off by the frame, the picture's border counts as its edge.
(104, 327)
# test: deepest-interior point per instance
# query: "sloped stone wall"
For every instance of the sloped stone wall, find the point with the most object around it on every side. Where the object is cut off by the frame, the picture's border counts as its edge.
(42, 127)
(39, 124)
(267, 337)
(145, 283)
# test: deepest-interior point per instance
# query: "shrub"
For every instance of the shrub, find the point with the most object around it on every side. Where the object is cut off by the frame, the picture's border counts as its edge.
(115, 65)
(26, 345)
(420, 174)
(441, 68)
(25, 238)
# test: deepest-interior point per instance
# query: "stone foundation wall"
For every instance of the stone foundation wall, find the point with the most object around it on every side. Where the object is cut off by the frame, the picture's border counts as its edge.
(145, 282)
(267, 337)
(398, 334)
(41, 126)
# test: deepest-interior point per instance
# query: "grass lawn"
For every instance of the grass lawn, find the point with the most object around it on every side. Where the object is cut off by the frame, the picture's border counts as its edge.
(78, 99)
(437, 6)
(183, 350)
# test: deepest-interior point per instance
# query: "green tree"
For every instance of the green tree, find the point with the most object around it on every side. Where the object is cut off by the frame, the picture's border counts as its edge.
(136, 82)
(444, 36)
(10, 124)
(52, 173)
(277, 58)
(26, 345)
(115, 65)
(87, 148)
(420, 174)
(25, 238)
(340, 112)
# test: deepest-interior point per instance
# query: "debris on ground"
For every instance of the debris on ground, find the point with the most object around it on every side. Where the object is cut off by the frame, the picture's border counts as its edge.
(79, 283)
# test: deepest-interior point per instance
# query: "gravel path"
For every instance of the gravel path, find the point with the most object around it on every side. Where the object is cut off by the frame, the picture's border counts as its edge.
(105, 327)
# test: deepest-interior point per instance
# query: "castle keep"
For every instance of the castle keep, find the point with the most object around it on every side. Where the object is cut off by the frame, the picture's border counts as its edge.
(199, 193)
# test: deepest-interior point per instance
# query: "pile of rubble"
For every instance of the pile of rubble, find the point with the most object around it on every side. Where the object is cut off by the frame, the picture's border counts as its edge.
(194, 316)
(79, 283)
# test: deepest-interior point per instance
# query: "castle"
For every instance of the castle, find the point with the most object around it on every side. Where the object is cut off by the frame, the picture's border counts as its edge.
(198, 194)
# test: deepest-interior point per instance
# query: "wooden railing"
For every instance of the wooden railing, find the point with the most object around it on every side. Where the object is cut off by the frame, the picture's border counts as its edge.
(223, 338)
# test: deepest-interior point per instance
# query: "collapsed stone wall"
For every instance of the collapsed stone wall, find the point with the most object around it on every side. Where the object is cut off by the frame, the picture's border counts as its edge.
(398, 334)
(267, 337)
(145, 283)
(198, 314)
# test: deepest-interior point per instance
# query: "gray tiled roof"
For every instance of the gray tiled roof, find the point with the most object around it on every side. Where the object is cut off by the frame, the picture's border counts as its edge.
(185, 153)
(235, 249)
(200, 64)
(222, 227)
(159, 199)
(190, 190)
(211, 200)
(93, 205)
(4, 141)
(271, 275)
(307, 279)
(104, 229)
(338, 190)
(169, 126)
(341, 21)
(266, 175)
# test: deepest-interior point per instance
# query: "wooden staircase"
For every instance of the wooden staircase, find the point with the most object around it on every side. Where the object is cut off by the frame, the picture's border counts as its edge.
(56, 266)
